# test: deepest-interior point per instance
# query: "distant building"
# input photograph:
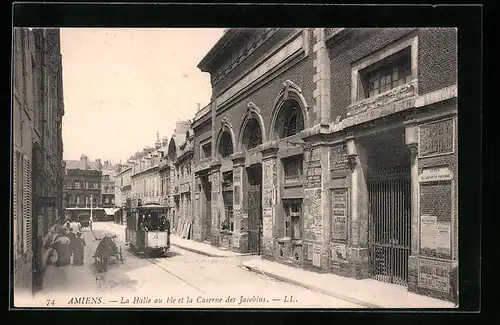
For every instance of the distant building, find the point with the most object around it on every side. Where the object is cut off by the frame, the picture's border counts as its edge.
(83, 189)
(180, 157)
(107, 188)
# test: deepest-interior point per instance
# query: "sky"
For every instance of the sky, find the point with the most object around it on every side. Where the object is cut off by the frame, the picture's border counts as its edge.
(123, 85)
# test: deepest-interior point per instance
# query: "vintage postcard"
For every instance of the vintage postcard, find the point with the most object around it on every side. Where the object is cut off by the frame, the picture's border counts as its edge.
(235, 168)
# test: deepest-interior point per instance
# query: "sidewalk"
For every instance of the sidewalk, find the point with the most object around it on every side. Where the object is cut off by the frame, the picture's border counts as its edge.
(367, 292)
(177, 241)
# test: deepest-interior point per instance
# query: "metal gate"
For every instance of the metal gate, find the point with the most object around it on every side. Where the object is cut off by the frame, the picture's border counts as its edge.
(254, 218)
(389, 238)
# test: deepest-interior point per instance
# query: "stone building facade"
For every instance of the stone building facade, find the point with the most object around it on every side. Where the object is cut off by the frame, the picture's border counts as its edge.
(83, 189)
(179, 171)
(334, 150)
(37, 149)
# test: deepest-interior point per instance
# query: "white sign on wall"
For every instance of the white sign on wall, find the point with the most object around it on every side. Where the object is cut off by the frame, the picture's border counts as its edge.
(435, 175)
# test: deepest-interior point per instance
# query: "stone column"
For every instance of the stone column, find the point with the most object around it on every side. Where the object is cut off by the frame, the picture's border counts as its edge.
(240, 240)
(270, 197)
(357, 250)
(216, 201)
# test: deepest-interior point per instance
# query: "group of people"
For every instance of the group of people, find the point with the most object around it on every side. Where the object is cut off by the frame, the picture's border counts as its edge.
(67, 244)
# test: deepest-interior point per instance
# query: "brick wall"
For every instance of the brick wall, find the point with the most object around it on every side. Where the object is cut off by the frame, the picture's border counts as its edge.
(437, 55)
(357, 45)
(301, 74)
(437, 58)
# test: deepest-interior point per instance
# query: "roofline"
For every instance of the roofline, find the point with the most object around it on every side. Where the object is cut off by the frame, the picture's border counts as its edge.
(230, 34)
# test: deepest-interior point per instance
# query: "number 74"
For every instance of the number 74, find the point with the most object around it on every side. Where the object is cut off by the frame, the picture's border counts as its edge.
(50, 302)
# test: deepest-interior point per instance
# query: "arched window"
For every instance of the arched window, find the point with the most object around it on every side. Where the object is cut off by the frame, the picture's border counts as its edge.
(252, 135)
(225, 144)
(290, 119)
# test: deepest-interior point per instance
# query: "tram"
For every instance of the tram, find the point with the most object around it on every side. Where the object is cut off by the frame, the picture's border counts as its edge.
(148, 229)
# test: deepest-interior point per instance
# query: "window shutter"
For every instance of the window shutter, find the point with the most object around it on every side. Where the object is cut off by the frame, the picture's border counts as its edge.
(27, 204)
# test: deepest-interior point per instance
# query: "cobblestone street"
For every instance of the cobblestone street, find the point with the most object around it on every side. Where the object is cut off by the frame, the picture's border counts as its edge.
(208, 281)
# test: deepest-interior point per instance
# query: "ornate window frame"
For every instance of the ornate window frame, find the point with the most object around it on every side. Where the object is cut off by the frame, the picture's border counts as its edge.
(288, 91)
(380, 55)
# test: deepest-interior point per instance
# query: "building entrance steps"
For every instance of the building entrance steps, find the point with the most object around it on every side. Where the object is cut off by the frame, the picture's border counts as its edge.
(366, 292)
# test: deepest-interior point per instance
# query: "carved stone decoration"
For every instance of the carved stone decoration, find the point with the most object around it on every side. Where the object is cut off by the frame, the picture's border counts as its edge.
(287, 85)
(252, 108)
(396, 94)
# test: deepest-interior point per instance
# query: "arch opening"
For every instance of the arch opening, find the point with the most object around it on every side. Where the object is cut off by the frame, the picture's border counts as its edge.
(252, 135)
(225, 145)
(290, 120)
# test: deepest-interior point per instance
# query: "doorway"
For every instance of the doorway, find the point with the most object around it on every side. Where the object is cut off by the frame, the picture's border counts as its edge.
(207, 208)
(254, 174)
(388, 180)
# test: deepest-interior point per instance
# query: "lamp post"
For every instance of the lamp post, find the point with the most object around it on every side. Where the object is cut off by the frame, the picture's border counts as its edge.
(91, 199)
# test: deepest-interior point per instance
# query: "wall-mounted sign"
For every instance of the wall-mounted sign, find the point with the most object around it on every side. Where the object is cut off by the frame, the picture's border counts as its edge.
(309, 252)
(338, 158)
(339, 214)
(434, 235)
(317, 255)
(435, 175)
(436, 138)
(434, 275)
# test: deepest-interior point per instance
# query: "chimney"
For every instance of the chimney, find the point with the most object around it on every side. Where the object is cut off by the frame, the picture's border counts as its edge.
(199, 106)
(98, 164)
(85, 160)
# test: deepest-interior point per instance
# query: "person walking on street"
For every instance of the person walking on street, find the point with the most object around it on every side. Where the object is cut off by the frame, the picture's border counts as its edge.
(72, 237)
(78, 249)
(63, 250)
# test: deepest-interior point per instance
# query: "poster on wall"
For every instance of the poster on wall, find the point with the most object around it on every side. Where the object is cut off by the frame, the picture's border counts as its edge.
(434, 235)
(338, 252)
(339, 214)
(310, 251)
(317, 255)
(434, 275)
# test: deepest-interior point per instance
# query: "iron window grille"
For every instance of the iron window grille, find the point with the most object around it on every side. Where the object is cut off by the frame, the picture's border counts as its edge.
(291, 119)
(383, 76)
(253, 136)
(292, 218)
(228, 222)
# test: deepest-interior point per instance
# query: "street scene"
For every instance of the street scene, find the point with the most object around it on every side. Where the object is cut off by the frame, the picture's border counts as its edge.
(235, 168)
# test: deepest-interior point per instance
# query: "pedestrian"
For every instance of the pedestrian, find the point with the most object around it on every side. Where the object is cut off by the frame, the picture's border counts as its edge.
(72, 237)
(78, 249)
(63, 250)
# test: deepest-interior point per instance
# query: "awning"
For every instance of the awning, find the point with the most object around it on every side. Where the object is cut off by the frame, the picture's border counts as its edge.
(110, 211)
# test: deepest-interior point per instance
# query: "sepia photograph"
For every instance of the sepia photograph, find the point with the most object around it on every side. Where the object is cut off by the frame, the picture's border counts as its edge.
(235, 168)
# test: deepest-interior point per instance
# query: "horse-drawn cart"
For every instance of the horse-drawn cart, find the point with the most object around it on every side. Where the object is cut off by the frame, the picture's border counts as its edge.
(106, 250)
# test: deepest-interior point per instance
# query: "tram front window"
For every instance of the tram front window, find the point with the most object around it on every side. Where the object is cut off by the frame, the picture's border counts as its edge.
(150, 221)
